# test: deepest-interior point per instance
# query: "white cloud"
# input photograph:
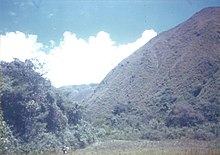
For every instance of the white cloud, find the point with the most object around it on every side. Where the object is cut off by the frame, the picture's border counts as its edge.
(73, 60)
(18, 45)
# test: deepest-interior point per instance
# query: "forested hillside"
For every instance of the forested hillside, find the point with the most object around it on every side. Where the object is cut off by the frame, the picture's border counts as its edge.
(167, 89)
(35, 116)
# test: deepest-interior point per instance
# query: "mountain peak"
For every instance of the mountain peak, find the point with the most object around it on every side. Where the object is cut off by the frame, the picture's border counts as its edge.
(179, 68)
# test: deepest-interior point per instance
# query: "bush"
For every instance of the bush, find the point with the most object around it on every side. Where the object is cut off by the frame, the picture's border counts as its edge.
(183, 115)
(153, 135)
(37, 118)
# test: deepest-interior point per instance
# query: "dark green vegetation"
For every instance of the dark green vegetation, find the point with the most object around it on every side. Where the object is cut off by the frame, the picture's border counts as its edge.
(36, 117)
(1, 118)
(167, 91)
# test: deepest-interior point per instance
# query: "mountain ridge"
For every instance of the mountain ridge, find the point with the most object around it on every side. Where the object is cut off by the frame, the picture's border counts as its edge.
(176, 69)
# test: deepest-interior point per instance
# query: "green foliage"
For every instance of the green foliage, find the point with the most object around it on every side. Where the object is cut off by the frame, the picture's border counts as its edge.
(10, 142)
(1, 132)
(37, 118)
(56, 121)
(165, 116)
(1, 116)
(183, 114)
(24, 98)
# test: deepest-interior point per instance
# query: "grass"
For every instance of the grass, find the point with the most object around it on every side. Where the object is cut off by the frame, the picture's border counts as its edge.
(152, 152)
(117, 147)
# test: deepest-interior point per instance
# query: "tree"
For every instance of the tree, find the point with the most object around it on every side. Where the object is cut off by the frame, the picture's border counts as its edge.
(1, 129)
(34, 113)
(1, 116)
(24, 97)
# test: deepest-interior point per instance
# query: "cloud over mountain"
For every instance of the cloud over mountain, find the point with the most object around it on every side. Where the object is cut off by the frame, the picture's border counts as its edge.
(73, 60)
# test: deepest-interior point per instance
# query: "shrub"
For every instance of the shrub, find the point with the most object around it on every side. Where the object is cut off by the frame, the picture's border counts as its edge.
(183, 114)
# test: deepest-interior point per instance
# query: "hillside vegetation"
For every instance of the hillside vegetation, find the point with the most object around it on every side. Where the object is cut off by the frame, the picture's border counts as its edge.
(163, 99)
(167, 89)
(36, 117)
(77, 93)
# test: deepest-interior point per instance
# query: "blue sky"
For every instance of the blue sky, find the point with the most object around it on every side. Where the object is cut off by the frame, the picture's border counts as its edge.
(125, 20)
(90, 37)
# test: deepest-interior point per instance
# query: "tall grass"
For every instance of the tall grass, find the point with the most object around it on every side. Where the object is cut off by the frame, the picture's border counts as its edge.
(151, 152)
(155, 151)
(120, 147)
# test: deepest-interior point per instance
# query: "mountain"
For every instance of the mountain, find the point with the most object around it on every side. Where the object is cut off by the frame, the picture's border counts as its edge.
(77, 92)
(169, 88)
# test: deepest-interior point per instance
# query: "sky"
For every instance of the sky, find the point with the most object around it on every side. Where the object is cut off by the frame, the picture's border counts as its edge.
(80, 41)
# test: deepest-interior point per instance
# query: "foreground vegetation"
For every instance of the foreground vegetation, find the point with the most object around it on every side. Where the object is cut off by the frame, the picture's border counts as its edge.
(35, 118)
(143, 147)
(154, 152)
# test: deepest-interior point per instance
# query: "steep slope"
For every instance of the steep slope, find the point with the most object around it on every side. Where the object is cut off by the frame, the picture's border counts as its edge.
(177, 71)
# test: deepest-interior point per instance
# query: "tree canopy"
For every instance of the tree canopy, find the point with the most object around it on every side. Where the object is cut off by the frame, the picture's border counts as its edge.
(34, 112)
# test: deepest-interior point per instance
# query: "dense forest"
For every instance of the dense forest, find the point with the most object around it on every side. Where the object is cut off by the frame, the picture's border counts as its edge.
(34, 116)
